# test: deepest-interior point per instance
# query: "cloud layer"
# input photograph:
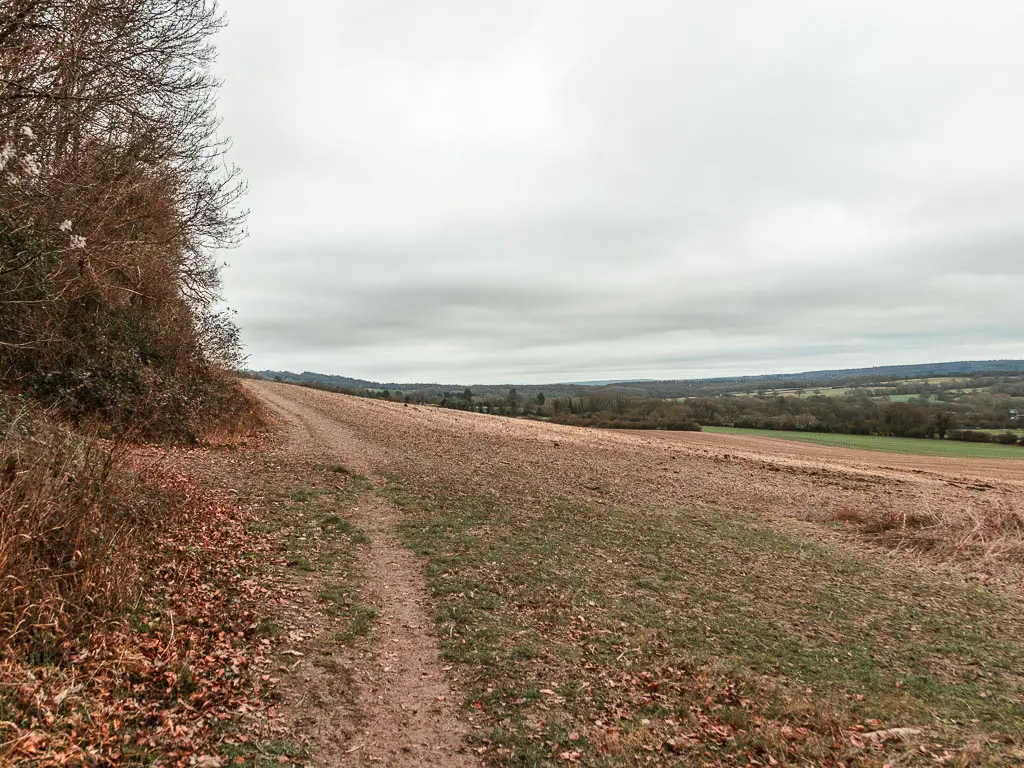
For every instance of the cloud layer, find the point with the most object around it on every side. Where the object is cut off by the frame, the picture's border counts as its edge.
(517, 191)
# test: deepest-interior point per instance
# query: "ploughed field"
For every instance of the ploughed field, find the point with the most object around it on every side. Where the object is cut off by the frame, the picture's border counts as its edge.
(611, 598)
(948, 457)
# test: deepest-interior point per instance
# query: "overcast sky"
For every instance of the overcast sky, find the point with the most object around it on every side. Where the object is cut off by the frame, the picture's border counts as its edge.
(481, 192)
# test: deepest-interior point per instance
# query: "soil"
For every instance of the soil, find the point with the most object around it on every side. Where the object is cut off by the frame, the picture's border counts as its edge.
(405, 710)
(386, 699)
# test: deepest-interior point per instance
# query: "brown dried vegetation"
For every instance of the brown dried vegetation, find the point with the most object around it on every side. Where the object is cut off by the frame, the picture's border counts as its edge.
(113, 196)
(71, 519)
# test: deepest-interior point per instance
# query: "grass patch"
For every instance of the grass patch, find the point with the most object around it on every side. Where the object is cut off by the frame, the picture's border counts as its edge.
(249, 754)
(269, 628)
(304, 494)
(299, 561)
(358, 617)
(338, 524)
(320, 539)
(616, 636)
(952, 448)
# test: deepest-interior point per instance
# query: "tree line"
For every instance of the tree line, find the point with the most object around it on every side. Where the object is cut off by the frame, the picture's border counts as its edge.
(964, 419)
(114, 196)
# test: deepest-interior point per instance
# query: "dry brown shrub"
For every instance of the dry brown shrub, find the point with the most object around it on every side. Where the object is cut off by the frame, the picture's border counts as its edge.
(237, 415)
(986, 539)
(74, 526)
(163, 680)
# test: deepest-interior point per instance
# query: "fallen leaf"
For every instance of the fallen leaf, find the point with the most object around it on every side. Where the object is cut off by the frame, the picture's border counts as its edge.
(899, 734)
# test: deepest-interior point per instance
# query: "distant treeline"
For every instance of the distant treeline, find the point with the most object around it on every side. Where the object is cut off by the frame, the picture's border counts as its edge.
(856, 415)
(965, 419)
(861, 415)
(1009, 381)
(620, 413)
(897, 379)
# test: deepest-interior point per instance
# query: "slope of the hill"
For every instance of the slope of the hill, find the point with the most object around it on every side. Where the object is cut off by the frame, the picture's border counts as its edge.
(941, 511)
(611, 599)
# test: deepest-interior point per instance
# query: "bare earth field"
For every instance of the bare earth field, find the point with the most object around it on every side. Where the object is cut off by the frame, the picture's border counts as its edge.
(966, 512)
(985, 469)
(552, 595)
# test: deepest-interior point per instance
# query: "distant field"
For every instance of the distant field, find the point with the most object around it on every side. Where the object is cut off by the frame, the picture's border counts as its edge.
(953, 448)
(837, 392)
(906, 398)
(826, 391)
(932, 380)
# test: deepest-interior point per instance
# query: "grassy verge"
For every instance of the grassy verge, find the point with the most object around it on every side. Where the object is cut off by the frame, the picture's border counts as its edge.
(620, 637)
(144, 625)
(313, 549)
(952, 448)
(158, 681)
(317, 540)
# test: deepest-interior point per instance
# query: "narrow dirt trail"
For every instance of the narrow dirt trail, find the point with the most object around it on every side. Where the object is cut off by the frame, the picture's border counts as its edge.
(405, 707)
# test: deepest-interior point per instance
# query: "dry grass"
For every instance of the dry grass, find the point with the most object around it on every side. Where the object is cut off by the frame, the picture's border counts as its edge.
(131, 619)
(77, 521)
(73, 529)
(980, 538)
(240, 418)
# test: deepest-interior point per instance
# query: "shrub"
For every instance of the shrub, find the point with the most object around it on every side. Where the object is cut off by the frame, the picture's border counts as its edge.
(970, 435)
(73, 527)
(114, 200)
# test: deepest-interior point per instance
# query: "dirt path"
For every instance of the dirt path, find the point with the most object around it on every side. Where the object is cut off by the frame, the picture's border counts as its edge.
(406, 694)
(403, 711)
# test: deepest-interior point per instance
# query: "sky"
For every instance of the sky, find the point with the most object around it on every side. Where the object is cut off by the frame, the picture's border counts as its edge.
(492, 192)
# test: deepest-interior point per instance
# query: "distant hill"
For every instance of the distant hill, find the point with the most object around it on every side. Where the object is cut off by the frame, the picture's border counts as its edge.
(913, 371)
(673, 387)
(346, 382)
(812, 379)
(601, 382)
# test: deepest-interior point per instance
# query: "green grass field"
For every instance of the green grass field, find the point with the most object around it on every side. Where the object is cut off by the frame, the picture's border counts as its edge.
(952, 448)
(1017, 432)
(906, 398)
(825, 391)
(605, 636)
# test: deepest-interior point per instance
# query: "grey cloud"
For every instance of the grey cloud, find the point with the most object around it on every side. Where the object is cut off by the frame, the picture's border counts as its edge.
(533, 191)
